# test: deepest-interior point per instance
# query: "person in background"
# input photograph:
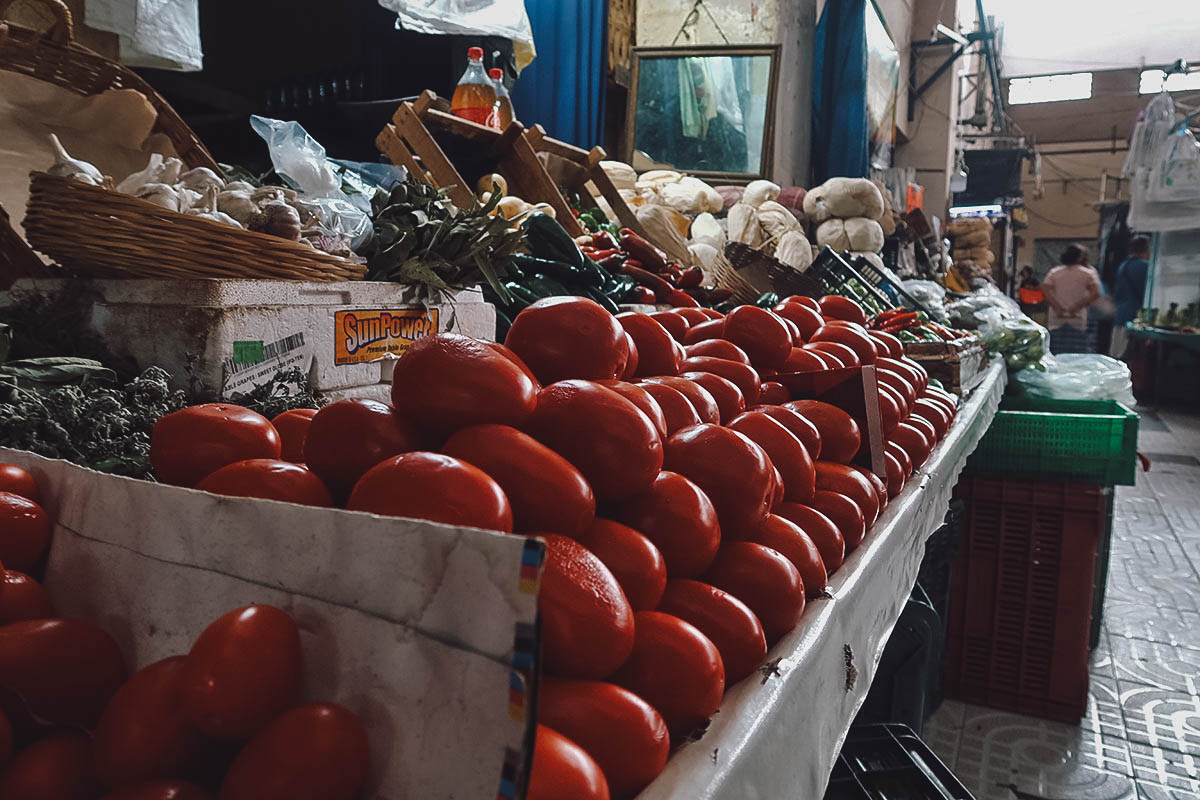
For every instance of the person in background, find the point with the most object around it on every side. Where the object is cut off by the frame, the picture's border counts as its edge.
(1069, 289)
(1129, 292)
(1028, 281)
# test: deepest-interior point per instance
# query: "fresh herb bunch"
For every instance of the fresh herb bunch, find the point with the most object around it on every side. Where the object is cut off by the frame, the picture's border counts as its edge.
(290, 388)
(423, 238)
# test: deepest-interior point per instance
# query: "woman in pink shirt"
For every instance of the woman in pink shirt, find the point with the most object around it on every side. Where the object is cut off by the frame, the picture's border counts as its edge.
(1069, 289)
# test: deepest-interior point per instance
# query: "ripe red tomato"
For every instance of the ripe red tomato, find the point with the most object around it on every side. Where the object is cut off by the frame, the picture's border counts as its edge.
(921, 371)
(761, 334)
(677, 410)
(837, 307)
(350, 436)
(717, 348)
(821, 529)
(679, 519)
(773, 393)
(840, 436)
(704, 404)
(857, 340)
(828, 360)
(242, 671)
(20, 482)
(877, 484)
(942, 402)
(950, 400)
(562, 770)
(726, 621)
(676, 669)
(898, 383)
(623, 733)
(269, 479)
(845, 513)
(54, 768)
(293, 431)
(64, 669)
(587, 624)
(632, 357)
(906, 368)
(764, 580)
(447, 381)
(544, 491)
(568, 337)
(436, 488)
(614, 445)
(924, 426)
(712, 313)
(731, 469)
(900, 454)
(730, 400)
(159, 790)
(643, 400)
(196, 441)
(803, 300)
(24, 531)
(914, 441)
(694, 316)
(935, 413)
(788, 454)
(793, 329)
(833, 477)
(887, 342)
(806, 319)
(889, 408)
(778, 492)
(21, 598)
(743, 376)
(701, 331)
(655, 345)
(793, 543)
(675, 323)
(142, 734)
(801, 427)
(314, 752)
(895, 475)
(842, 353)
(633, 560)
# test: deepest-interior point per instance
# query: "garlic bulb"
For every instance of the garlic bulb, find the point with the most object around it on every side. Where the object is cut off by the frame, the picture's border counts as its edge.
(775, 219)
(66, 167)
(237, 204)
(278, 219)
(151, 174)
(706, 229)
(268, 194)
(201, 179)
(794, 250)
(188, 199)
(240, 186)
(160, 194)
(757, 192)
(491, 183)
(743, 225)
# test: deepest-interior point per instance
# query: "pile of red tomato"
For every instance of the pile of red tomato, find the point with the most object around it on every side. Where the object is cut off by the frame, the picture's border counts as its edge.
(690, 506)
(75, 726)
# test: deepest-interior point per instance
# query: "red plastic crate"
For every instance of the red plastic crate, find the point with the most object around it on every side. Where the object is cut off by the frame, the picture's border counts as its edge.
(1021, 597)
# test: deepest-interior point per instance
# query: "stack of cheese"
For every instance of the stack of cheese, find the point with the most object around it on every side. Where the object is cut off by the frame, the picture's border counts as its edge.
(850, 215)
(971, 239)
(759, 221)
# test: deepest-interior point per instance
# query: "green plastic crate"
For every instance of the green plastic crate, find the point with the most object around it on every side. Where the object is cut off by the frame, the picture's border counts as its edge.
(1092, 441)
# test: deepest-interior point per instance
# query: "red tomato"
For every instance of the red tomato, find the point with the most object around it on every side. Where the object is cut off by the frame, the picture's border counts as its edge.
(269, 479)
(195, 442)
(800, 426)
(568, 337)
(841, 352)
(801, 360)
(679, 519)
(729, 397)
(764, 580)
(18, 481)
(935, 413)
(821, 529)
(643, 400)
(900, 454)
(745, 377)
(790, 540)
(633, 560)
(949, 406)
(895, 475)
(832, 477)
(587, 624)
(761, 334)
(724, 619)
(681, 299)
(55, 768)
(64, 669)
(629, 367)
(655, 345)
(889, 409)
(676, 669)
(614, 445)
(858, 341)
(905, 369)
(350, 436)
(314, 752)
(788, 454)
(704, 404)
(242, 672)
(21, 598)
(433, 487)
(806, 319)
(717, 348)
(920, 370)
(142, 734)
(675, 323)
(694, 316)
(793, 329)
(293, 431)
(700, 331)
(625, 736)
(840, 436)
(773, 393)
(837, 307)
(677, 411)
(887, 376)
(731, 469)
(803, 300)
(780, 489)
(159, 790)
(926, 427)
(562, 770)
(828, 360)
(845, 513)
(544, 491)
(24, 531)
(914, 441)
(712, 313)
(877, 484)
(887, 342)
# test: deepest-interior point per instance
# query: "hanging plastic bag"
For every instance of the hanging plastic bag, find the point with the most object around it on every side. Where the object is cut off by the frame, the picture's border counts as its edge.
(930, 294)
(1080, 376)
(504, 18)
(1175, 177)
(1149, 134)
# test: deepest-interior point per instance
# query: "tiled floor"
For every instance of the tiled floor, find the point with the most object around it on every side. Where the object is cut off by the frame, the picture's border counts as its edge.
(1140, 739)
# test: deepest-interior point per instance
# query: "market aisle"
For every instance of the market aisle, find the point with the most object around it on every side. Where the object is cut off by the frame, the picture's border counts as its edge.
(1140, 739)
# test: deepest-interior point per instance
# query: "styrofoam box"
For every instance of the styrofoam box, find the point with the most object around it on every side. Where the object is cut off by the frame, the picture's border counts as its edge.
(243, 330)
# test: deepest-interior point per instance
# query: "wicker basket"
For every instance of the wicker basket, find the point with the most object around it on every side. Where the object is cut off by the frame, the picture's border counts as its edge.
(106, 234)
(16, 259)
(761, 273)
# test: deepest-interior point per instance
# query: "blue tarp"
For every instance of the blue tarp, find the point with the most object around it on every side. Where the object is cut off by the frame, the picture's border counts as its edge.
(839, 103)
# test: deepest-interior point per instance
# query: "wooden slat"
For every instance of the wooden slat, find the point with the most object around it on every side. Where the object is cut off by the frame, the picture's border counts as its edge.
(522, 160)
(392, 146)
(413, 131)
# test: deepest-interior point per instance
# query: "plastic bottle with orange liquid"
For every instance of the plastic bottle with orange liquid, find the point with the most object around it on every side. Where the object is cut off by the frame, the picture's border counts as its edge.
(504, 106)
(475, 96)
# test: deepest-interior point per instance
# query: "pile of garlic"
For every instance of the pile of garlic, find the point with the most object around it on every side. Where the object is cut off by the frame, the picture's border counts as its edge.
(760, 222)
(509, 206)
(850, 215)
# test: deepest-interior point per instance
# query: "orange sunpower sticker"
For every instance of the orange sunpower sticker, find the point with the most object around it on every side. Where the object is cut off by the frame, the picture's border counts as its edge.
(371, 334)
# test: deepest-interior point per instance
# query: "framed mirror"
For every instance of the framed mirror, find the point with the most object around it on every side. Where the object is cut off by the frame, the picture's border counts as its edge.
(708, 111)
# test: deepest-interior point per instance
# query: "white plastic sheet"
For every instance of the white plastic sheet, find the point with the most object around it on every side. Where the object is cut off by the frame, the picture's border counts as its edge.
(506, 18)
(163, 34)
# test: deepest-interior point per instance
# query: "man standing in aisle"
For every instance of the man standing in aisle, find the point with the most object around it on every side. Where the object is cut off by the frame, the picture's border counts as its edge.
(1129, 292)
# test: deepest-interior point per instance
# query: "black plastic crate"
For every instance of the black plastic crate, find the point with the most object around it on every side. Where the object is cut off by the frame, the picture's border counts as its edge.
(890, 762)
(909, 666)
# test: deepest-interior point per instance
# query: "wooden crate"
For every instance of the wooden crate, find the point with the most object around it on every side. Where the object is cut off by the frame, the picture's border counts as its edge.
(960, 365)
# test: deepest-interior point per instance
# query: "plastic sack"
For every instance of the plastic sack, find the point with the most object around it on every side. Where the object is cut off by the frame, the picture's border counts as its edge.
(1175, 176)
(975, 309)
(1080, 376)
(300, 161)
(1149, 134)
(931, 295)
(1021, 341)
(504, 18)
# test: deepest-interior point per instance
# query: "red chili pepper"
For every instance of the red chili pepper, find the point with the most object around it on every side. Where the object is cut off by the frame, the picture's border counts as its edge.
(690, 278)
(598, 254)
(640, 294)
(654, 259)
(661, 288)
(680, 299)
(605, 241)
(716, 296)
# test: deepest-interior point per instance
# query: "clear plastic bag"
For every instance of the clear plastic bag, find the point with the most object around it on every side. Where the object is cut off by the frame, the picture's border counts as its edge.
(505, 18)
(1021, 341)
(1080, 376)
(972, 311)
(930, 294)
(1175, 176)
(1149, 134)
(300, 161)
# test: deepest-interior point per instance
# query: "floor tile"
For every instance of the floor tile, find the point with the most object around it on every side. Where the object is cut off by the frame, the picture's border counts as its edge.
(1166, 768)
(1147, 791)
(1155, 623)
(1161, 718)
(1104, 714)
(943, 730)
(1162, 666)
